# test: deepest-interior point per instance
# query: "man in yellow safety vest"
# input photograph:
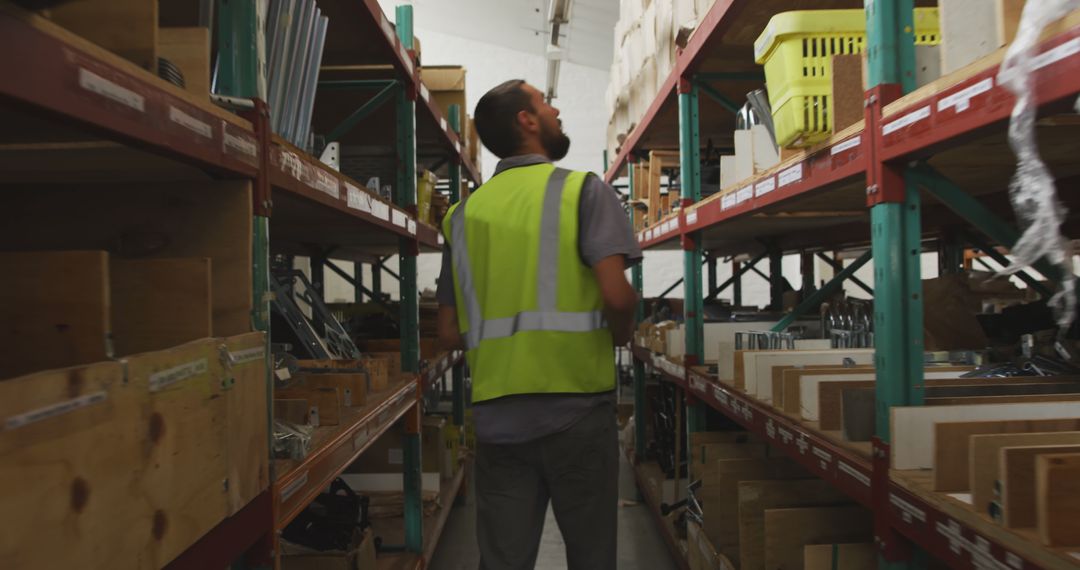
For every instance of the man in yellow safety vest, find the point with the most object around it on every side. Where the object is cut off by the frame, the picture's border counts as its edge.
(533, 287)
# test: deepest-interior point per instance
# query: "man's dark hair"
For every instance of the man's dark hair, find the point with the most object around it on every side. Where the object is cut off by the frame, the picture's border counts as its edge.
(496, 117)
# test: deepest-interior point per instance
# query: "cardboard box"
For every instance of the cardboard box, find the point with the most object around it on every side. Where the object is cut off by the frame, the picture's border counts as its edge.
(446, 83)
(360, 557)
(386, 455)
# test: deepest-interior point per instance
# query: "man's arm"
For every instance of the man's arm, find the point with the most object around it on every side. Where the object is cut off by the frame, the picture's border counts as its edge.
(608, 246)
(619, 296)
(447, 324)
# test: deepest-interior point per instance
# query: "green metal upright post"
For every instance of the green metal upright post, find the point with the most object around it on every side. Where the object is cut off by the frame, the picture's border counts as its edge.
(405, 197)
(637, 280)
(358, 276)
(238, 54)
(776, 279)
(458, 372)
(238, 76)
(736, 286)
(896, 249)
(950, 252)
(376, 279)
(711, 274)
(694, 297)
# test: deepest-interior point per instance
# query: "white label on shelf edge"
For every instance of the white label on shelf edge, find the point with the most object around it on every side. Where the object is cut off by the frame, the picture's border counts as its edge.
(425, 94)
(190, 123)
(727, 201)
(380, 210)
(846, 145)
(387, 28)
(744, 194)
(327, 184)
(442, 124)
(962, 99)
(439, 238)
(398, 218)
(242, 144)
(356, 199)
(790, 175)
(291, 164)
(95, 83)
(160, 380)
(405, 56)
(907, 120)
(649, 235)
(853, 473)
(907, 507)
(411, 225)
(823, 455)
(1067, 49)
(765, 186)
(53, 410)
(691, 218)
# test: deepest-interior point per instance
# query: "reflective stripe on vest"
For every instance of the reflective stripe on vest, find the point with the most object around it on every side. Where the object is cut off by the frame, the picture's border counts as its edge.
(547, 318)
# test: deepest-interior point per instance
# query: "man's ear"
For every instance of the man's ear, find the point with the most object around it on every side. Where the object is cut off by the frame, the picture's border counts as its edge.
(527, 121)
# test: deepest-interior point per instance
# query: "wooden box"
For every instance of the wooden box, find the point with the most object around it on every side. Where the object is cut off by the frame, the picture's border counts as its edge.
(72, 458)
(183, 443)
(127, 28)
(377, 369)
(246, 394)
(55, 310)
(66, 308)
(352, 386)
(160, 221)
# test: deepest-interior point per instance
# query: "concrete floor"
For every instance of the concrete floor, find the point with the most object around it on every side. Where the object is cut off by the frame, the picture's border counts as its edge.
(640, 545)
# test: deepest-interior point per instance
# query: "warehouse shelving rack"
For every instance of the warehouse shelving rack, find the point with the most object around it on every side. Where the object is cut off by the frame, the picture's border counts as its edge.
(885, 164)
(54, 83)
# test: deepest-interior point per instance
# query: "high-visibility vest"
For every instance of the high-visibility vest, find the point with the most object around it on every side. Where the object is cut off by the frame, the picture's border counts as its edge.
(529, 310)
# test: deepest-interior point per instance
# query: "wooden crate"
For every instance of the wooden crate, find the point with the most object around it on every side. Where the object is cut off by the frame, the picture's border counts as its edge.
(159, 303)
(128, 28)
(146, 221)
(55, 310)
(72, 460)
(393, 364)
(352, 386)
(377, 369)
(183, 443)
(247, 456)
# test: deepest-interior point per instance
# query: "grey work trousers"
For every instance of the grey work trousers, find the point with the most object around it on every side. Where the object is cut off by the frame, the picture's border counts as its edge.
(576, 469)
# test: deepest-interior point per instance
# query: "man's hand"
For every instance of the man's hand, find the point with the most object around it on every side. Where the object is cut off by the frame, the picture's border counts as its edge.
(619, 296)
(447, 325)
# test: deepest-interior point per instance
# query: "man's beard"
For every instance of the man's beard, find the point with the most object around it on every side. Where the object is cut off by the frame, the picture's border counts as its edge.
(557, 144)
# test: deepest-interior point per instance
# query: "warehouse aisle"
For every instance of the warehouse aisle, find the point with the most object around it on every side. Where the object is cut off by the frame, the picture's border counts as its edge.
(640, 544)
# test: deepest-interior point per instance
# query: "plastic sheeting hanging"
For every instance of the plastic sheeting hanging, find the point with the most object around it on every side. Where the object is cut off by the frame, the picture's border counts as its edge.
(1032, 190)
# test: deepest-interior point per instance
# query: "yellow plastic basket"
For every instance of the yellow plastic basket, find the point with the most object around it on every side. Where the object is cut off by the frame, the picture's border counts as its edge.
(797, 48)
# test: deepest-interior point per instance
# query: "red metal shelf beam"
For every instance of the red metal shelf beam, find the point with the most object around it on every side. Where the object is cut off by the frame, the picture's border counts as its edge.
(52, 70)
(980, 101)
(303, 174)
(841, 161)
(439, 368)
(294, 490)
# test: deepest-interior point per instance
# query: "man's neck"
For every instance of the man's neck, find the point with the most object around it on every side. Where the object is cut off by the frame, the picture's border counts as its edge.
(532, 149)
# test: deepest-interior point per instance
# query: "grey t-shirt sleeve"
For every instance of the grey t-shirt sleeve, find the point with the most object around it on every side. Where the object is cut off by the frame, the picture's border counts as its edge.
(603, 225)
(444, 289)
